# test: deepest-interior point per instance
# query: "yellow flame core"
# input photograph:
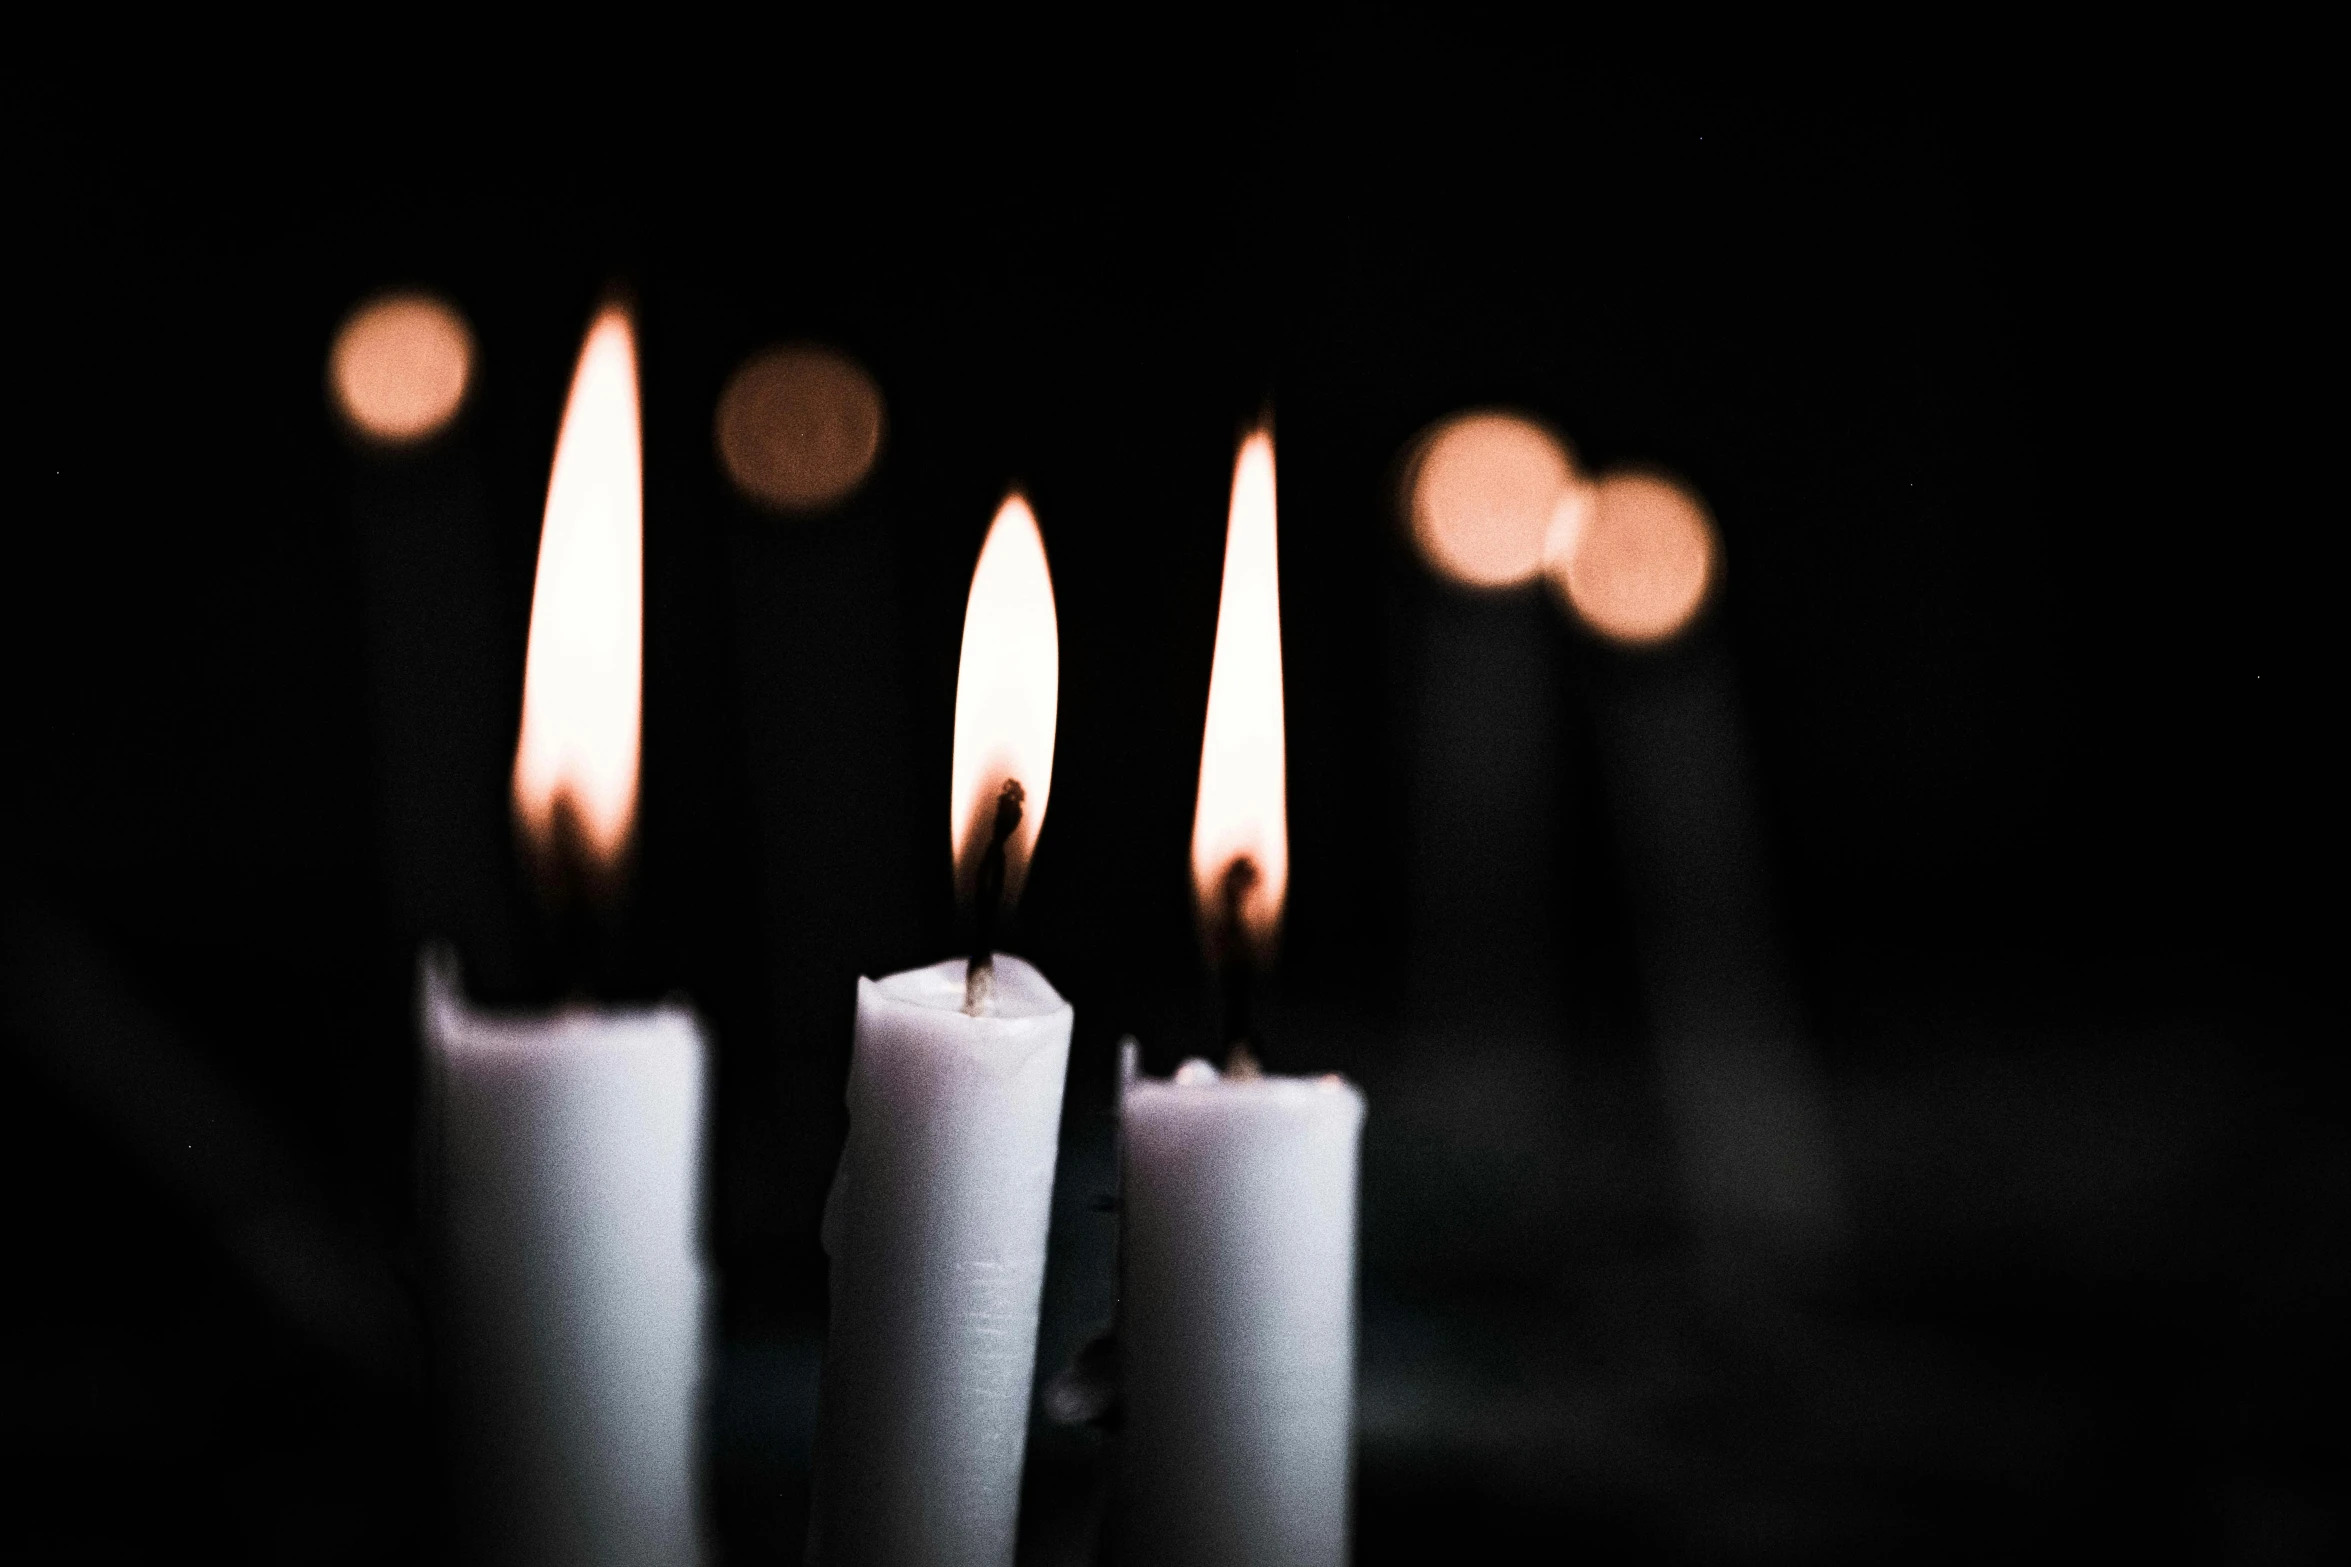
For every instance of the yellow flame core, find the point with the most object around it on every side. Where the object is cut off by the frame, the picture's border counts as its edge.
(1244, 789)
(1007, 691)
(582, 691)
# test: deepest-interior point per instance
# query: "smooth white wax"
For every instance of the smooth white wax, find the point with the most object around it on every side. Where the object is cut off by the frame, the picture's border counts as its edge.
(564, 1169)
(936, 1230)
(1238, 1319)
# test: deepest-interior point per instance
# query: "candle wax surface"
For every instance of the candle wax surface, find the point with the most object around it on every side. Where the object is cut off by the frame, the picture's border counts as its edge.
(1021, 995)
(1239, 1202)
(563, 1186)
(936, 1230)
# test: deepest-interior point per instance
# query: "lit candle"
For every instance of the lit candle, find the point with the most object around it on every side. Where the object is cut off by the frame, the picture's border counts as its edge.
(565, 1150)
(1238, 1192)
(936, 1224)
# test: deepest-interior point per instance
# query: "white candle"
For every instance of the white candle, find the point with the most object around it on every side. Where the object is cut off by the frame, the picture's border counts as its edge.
(1239, 1319)
(567, 1151)
(564, 1151)
(936, 1231)
(937, 1220)
(1238, 1193)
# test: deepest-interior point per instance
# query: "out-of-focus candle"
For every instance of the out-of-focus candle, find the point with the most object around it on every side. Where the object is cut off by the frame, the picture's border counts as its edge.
(419, 510)
(1742, 1083)
(1238, 1302)
(1486, 493)
(937, 1221)
(1239, 1206)
(565, 1151)
(568, 1154)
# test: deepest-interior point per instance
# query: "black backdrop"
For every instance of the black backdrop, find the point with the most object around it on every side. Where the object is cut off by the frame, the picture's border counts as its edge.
(1977, 368)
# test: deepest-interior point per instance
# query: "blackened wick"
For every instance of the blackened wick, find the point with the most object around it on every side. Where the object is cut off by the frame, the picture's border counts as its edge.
(579, 897)
(988, 905)
(1239, 957)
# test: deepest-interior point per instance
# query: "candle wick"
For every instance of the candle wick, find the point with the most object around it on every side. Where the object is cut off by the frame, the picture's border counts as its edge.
(1240, 969)
(579, 895)
(979, 975)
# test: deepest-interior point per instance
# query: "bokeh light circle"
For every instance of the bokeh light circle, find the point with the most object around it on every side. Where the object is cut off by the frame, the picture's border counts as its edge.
(799, 427)
(1642, 562)
(400, 367)
(1482, 492)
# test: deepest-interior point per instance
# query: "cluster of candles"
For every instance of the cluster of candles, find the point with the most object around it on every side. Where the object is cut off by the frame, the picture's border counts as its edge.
(564, 1150)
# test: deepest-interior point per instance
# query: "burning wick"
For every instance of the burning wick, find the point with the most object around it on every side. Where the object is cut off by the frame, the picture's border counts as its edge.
(571, 877)
(580, 896)
(1240, 970)
(979, 976)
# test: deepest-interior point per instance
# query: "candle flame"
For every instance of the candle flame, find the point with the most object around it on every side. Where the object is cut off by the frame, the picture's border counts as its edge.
(582, 689)
(1242, 821)
(1007, 692)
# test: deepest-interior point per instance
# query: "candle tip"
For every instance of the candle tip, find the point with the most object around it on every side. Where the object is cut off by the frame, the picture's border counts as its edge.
(979, 975)
(979, 986)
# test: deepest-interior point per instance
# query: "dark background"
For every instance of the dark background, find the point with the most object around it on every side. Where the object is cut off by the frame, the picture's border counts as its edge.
(1979, 366)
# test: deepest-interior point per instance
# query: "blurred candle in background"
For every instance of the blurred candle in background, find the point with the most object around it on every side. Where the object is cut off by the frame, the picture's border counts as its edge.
(1483, 493)
(1238, 1189)
(1742, 1091)
(564, 1151)
(400, 377)
(810, 596)
(1484, 1057)
(937, 1221)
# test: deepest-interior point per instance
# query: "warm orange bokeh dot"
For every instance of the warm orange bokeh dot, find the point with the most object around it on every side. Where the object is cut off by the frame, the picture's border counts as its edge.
(799, 427)
(1483, 492)
(1643, 561)
(400, 367)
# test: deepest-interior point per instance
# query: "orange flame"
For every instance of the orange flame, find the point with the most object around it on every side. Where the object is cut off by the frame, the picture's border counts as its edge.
(582, 690)
(1007, 692)
(1243, 814)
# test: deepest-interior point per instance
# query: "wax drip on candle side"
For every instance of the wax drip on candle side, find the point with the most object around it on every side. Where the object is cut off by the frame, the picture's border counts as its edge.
(979, 975)
(1238, 962)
